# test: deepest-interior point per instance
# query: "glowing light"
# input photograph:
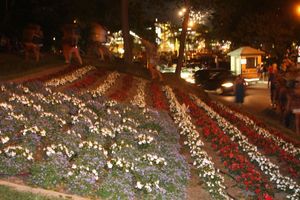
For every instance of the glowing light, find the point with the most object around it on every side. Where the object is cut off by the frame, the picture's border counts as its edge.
(74, 21)
(298, 10)
(227, 85)
(53, 38)
(121, 50)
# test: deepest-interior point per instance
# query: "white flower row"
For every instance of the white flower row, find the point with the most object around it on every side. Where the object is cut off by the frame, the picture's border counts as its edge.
(13, 151)
(282, 182)
(70, 77)
(286, 146)
(10, 114)
(109, 81)
(139, 98)
(213, 179)
(58, 149)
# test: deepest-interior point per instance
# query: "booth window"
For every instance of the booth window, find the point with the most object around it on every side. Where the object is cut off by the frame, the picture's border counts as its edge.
(251, 62)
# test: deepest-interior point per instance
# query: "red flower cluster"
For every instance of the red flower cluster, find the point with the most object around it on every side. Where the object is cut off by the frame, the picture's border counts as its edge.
(233, 159)
(87, 80)
(59, 73)
(158, 97)
(292, 164)
(122, 93)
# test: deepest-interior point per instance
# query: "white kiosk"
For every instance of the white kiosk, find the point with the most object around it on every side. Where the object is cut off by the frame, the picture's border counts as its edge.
(244, 61)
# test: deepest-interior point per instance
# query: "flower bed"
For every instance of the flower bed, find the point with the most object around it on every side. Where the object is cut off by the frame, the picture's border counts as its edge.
(283, 183)
(139, 98)
(108, 82)
(265, 142)
(103, 149)
(207, 172)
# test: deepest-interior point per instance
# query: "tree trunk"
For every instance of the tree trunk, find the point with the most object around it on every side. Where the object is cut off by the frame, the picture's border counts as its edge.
(125, 32)
(183, 38)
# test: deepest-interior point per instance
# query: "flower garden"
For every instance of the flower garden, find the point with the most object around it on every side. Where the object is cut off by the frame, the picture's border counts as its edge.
(100, 133)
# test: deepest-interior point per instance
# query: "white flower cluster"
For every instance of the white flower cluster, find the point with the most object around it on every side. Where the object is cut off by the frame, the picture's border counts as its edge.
(119, 146)
(101, 89)
(144, 139)
(213, 179)
(2, 88)
(107, 132)
(139, 98)
(153, 159)
(93, 145)
(35, 130)
(121, 163)
(70, 77)
(76, 170)
(147, 186)
(286, 146)
(282, 182)
(58, 149)
(4, 139)
(13, 151)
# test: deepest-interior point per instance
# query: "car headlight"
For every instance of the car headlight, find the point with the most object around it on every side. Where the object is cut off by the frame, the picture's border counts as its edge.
(227, 84)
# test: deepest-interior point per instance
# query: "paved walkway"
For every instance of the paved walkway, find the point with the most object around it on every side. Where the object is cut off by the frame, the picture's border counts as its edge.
(257, 102)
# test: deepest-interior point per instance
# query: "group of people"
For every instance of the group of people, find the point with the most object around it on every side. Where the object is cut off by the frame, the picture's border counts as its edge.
(33, 37)
(33, 41)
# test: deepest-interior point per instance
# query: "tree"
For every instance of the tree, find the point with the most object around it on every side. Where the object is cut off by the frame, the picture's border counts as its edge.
(183, 38)
(125, 32)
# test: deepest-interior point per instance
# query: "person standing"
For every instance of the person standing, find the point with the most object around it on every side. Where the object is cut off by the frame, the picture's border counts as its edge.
(70, 42)
(272, 83)
(32, 41)
(152, 59)
(239, 90)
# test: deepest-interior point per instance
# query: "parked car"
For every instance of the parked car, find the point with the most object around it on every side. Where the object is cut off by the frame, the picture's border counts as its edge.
(217, 80)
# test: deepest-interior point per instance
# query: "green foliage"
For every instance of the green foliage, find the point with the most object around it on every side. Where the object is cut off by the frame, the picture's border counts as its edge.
(7, 193)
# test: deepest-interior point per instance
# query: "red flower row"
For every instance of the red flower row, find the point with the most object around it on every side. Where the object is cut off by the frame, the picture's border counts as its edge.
(235, 161)
(121, 94)
(266, 145)
(87, 80)
(59, 73)
(158, 97)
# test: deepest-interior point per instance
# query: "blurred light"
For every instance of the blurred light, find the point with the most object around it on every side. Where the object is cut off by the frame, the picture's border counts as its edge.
(191, 24)
(108, 32)
(53, 38)
(180, 13)
(121, 50)
(74, 21)
(227, 85)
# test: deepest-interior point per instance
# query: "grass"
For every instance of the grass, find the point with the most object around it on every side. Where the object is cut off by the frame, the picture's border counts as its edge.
(7, 193)
(12, 66)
